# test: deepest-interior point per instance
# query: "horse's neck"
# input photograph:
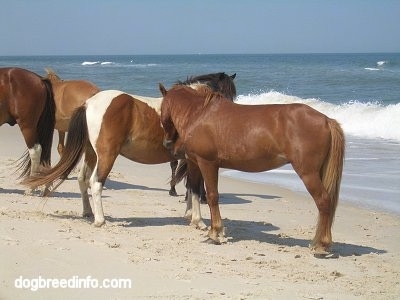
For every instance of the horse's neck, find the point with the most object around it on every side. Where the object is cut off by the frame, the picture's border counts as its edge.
(150, 101)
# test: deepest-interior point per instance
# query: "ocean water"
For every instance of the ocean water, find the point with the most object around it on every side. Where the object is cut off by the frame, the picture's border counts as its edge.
(361, 91)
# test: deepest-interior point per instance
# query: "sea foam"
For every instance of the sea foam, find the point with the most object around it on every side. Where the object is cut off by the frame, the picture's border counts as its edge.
(365, 120)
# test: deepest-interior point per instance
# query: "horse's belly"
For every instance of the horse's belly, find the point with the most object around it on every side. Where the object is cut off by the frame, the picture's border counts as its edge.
(254, 165)
(146, 153)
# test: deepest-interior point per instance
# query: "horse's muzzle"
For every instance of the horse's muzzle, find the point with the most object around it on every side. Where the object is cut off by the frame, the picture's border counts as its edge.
(169, 144)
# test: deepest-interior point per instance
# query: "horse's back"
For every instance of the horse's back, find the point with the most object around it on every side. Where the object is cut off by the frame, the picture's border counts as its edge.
(97, 105)
(155, 103)
(22, 94)
(18, 77)
(281, 132)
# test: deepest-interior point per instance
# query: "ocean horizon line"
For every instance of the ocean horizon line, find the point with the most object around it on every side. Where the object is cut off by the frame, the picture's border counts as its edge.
(205, 54)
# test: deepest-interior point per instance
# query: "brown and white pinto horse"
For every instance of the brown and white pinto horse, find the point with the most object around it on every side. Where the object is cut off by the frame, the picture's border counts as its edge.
(214, 133)
(26, 99)
(94, 133)
(68, 96)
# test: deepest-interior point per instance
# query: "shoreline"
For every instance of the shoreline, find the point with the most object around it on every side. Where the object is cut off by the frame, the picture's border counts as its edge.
(146, 239)
(304, 194)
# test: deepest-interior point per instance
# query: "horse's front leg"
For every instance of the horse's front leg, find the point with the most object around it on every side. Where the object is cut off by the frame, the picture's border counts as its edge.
(210, 175)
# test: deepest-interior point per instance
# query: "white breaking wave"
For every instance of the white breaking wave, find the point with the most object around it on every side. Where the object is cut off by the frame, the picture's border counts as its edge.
(105, 63)
(367, 120)
(90, 63)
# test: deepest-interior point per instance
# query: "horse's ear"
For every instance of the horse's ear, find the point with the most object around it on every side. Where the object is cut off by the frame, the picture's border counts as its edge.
(233, 76)
(163, 90)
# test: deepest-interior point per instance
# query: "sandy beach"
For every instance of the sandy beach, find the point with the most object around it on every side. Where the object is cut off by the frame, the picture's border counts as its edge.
(147, 240)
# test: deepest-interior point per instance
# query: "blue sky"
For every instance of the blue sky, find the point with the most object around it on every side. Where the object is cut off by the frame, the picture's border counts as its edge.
(60, 27)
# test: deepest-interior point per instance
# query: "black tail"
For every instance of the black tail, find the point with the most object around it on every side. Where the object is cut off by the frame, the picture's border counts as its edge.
(77, 140)
(181, 172)
(45, 130)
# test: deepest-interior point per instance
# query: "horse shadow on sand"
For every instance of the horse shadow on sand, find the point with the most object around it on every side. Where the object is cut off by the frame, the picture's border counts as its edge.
(109, 185)
(239, 230)
(236, 230)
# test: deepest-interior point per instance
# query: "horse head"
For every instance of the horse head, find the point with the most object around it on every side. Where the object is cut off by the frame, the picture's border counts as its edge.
(218, 82)
(171, 134)
(226, 85)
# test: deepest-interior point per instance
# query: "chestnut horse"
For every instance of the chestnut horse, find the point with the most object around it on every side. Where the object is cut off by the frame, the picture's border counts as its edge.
(68, 95)
(94, 133)
(219, 82)
(214, 133)
(26, 99)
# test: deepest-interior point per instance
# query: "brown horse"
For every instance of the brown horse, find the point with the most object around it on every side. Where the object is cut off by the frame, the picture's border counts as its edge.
(214, 133)
(68, 96)
(94, 133)
(26, 99)
(219, 82)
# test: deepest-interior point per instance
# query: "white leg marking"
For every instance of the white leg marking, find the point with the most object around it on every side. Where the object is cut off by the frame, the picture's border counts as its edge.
(196, 213)
(34, 154)
(97, 189)
(188, 212)
(83, 180)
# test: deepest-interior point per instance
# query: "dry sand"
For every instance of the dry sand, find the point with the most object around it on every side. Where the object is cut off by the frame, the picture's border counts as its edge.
(147, 240)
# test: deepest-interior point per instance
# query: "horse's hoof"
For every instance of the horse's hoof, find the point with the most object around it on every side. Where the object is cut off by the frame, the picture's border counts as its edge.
(44, 193)
(99, 224)
(172, 192)
(188, 214)
(212, 241)
(87, 215)
(202, 226)
(28, 193)
(326, 255)
(217, 237)
(323, 252)
(199, 225)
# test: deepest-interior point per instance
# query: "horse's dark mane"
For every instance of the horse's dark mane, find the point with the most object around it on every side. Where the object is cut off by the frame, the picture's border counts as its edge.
(208, 93)
(218, 82)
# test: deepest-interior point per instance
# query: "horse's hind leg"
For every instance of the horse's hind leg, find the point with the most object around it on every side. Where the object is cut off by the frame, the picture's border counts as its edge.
(61, 138)
(172, 191)
(88, 163)
(34, 155)
(103, 167)
(194, 181)
(323, 235)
